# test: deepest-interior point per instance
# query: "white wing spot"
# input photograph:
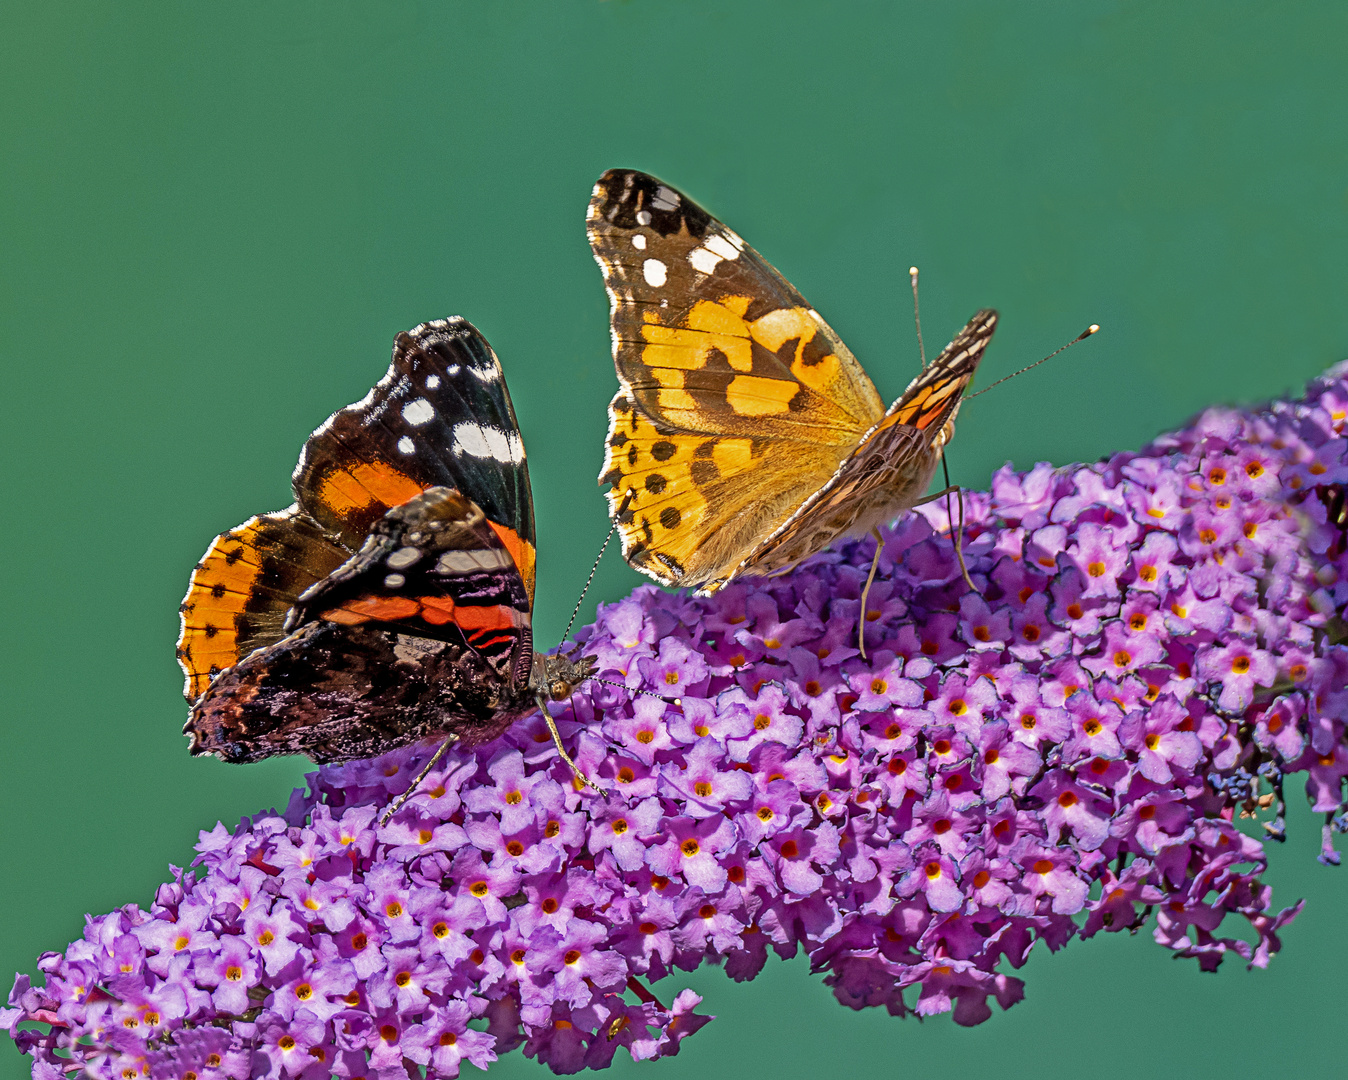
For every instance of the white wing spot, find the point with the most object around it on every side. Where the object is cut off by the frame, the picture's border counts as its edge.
(721, 245)
(487, 374)
(665, 198)
(432, 382)
(452, 370)
(703, 261)
(483, 441)
(639, 242)
(418, 411)
(655, 272)
(394, 581)
(466, 562)
(643, 217)
(406, 445)
(403, 558)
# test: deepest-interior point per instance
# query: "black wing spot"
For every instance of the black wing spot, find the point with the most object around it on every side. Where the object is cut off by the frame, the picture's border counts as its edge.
(655, 483)
(705, 472)
(632, 454)
(218, 589)
(670, 517)
(231, 557)
(663, 450)
(705, 449)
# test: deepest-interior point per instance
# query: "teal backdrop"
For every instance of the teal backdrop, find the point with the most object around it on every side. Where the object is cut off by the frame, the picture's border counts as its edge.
(215, 217)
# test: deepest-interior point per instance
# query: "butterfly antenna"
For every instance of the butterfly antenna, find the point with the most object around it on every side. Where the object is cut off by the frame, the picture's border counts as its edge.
(917, 317)
(1093, 328)
(634, 690)
(595, 568)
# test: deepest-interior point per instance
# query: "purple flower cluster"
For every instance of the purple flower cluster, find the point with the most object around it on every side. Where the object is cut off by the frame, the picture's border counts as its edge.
(1152, 647)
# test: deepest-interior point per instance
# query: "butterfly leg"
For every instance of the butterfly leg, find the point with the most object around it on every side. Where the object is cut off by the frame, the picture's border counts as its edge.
(412, 787)
(936, 495)
(959, 538)
(861, 617)
(945, 493)
(557, 742)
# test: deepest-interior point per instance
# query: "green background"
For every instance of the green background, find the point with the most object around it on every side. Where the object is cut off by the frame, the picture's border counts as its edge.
(214, 218)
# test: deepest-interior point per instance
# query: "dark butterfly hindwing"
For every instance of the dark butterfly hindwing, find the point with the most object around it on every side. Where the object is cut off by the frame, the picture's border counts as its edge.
(425, 630)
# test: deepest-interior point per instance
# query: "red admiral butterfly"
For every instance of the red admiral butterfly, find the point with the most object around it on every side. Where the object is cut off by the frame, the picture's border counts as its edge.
(392, 602)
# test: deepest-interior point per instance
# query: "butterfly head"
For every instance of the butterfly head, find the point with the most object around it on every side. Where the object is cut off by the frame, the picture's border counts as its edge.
(555, 677)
